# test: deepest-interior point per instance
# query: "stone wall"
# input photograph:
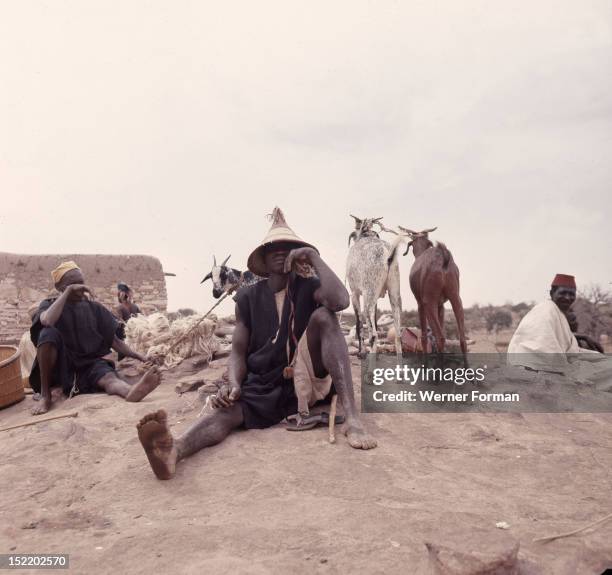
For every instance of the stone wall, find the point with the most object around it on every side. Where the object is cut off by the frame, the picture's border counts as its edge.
(26, 280)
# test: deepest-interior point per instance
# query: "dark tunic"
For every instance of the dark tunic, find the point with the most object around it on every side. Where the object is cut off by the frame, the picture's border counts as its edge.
(266, 396)
(83, 335)
(124, 314)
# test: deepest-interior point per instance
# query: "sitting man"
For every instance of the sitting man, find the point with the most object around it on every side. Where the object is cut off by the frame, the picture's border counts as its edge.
(72, 335)
(125, 310)
(543, 338)
(287, 338)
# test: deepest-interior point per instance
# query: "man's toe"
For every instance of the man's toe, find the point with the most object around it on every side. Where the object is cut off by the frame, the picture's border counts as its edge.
(371, 442)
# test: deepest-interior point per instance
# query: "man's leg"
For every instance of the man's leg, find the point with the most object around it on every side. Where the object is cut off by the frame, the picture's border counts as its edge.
(113, 385)
(47, 359)
(163, 451)
(329, 354)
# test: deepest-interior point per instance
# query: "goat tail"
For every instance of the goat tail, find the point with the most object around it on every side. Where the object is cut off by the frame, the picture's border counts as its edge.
(394, 249)
(446, 255)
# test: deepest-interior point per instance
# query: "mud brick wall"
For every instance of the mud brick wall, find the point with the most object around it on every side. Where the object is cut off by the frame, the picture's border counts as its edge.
(26, 280)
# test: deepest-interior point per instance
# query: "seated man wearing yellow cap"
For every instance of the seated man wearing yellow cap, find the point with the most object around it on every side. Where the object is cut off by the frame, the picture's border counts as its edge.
(72, 335)
(287, 348)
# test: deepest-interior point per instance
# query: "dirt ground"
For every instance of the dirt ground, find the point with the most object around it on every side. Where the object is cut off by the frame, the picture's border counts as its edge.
(271, 501)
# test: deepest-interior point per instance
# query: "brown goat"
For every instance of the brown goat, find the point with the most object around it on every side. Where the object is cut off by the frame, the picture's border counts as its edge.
(434, 279)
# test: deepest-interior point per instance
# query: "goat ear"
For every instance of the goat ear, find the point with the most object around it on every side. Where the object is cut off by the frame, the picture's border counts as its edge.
(376, 220)
(357, 220)
(225, 260)
(208, 277)
(407, 248)
(351, 237)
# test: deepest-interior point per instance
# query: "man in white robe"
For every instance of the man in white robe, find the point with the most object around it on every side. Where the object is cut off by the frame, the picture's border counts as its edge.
(543, 340)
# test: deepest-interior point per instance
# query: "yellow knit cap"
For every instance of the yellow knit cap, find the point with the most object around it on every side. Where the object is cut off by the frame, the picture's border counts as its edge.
(58, 273)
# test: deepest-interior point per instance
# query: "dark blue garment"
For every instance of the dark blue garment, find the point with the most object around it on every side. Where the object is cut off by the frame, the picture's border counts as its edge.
(266, 396)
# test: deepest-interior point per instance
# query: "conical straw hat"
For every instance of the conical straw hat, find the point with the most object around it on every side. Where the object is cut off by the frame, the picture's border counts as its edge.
(279, 232)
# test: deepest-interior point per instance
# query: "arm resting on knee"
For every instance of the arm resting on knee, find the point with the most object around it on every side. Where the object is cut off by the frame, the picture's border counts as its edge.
(332, 294)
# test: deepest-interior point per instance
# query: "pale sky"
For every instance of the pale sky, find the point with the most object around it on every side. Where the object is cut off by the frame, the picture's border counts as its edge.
(172, 128)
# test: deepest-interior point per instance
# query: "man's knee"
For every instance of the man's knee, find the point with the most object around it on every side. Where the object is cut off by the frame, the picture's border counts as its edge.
(324, 319)
(49, 338)
(112, 384)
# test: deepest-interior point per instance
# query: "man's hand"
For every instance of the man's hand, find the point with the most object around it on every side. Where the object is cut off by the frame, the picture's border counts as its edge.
(226, 396)
(50, 316)
(79, 289)
(588, 342)
(301, 256)
(139, 357)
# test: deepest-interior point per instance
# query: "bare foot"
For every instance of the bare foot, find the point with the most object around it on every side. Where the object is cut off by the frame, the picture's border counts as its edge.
(147, 383)
(357, 436)
(158, 443)
(44, 405)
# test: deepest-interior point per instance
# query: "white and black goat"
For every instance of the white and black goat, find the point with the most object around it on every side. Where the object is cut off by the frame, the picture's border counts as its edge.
(372, 270)
(226, 279)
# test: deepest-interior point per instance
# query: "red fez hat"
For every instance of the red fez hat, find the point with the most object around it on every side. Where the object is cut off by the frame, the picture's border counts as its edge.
(562, 280)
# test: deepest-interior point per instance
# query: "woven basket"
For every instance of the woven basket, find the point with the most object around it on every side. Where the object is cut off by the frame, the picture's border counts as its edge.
(11, 385)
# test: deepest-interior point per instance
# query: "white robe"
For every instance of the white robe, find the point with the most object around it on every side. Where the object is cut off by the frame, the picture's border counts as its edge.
(543, 339)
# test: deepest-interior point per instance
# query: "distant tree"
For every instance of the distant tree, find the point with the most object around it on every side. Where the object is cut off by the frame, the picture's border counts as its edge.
(593, 309)
(596, 295)
(450, 328)
(521, 308)
(409, 318)
(186, 311)
(498, 319)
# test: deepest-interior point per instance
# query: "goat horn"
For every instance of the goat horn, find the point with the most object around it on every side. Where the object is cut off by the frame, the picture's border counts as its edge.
(407, 248)
(384, 229)
(214, 261)
(355, 218)
(411, 232)
(377, 219)
(429, 230)
(225, 260)
(208, 277)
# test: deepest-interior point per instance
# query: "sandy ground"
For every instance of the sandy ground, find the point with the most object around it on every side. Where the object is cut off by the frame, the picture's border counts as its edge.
(277, 502)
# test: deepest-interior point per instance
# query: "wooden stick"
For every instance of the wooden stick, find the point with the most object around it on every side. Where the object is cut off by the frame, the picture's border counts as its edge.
(332, 419)
(570, 533)
(40, 420)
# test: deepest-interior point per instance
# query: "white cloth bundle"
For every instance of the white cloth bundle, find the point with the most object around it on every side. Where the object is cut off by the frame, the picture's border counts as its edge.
(27, 354)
